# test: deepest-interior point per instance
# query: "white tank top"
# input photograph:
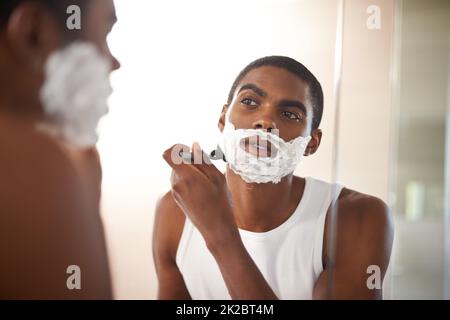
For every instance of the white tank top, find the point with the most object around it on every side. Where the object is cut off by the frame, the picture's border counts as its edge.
(289, 256)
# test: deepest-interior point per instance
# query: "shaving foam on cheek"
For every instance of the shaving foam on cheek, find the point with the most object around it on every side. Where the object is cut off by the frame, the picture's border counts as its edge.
(75, 93)
(257, 169)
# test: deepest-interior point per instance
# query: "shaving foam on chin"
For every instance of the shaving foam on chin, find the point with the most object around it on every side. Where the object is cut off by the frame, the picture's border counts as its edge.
(283, 159)
(75, 93)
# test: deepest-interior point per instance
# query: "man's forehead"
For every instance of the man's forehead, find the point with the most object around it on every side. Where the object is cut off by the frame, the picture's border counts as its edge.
(276, 82)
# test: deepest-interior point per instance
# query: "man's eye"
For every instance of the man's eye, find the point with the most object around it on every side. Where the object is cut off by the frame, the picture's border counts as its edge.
(248, 102)
(292, 116)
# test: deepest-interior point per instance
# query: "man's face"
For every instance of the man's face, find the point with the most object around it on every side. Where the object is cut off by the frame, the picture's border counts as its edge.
(272, 98)
(32, 34)
(100, 19)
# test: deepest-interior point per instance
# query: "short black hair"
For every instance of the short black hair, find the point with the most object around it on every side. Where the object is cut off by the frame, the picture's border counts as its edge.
(296, 68)
(57, 7)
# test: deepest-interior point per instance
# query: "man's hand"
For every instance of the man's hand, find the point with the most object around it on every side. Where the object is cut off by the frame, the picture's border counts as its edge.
(201, 191)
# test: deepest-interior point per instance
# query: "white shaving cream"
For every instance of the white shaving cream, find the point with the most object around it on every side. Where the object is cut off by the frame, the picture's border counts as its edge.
(75, 93)
(281, 160)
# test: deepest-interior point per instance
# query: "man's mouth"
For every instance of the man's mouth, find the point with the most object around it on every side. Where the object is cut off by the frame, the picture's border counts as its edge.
(258, 147)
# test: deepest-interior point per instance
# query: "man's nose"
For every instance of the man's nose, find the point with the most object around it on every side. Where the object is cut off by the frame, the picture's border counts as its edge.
(265, 123)
(115, 63)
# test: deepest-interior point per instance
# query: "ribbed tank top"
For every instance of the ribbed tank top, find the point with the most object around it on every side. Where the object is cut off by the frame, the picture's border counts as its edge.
(289, 256)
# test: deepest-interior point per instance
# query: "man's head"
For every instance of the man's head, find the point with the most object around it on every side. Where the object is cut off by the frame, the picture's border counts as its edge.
(30, 30)
(56, 7)
(277, 92)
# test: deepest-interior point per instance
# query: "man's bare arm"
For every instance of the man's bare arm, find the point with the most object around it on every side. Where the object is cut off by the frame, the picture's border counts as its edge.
(167, 230)
(241, 274)
(364, 239)
(201, 192)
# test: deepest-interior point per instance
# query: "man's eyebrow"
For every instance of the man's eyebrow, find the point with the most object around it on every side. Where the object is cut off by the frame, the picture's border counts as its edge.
(250, 86)
(293, 103)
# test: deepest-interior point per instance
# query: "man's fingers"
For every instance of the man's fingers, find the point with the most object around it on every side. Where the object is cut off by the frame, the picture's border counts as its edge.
(205, 165)
(197, 153)
(173, 178)
(194, 159)
(178, 157)
(173, 155)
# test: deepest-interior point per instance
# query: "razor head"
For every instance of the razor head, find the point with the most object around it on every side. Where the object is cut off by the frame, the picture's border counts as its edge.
(216, 154)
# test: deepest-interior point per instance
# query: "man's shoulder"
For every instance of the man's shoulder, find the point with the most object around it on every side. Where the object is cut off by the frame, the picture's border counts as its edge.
(168, 209)
(34, 162)
(362, 221)
(359, 207)
(356, 209)
(44, 206)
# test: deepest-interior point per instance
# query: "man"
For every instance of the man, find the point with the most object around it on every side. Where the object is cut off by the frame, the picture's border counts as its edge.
(247, 236)
(50, 226)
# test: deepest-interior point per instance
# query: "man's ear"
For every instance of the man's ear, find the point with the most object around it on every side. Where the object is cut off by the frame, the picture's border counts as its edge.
(314, 143)
(221, 123)
(32, 34)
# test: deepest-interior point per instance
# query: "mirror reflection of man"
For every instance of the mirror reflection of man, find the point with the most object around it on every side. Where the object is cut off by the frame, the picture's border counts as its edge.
(49, 192)
(221, 236)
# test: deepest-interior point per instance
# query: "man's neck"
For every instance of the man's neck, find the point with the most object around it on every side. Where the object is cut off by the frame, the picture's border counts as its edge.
(263, 207)
(18, 98)
(22, 110)
(25, 117)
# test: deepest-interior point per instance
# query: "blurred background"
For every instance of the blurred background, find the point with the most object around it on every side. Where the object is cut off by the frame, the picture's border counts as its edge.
(389, 130)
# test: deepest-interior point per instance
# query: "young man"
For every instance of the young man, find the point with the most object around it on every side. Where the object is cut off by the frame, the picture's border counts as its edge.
(245, 235)
(49, 193)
